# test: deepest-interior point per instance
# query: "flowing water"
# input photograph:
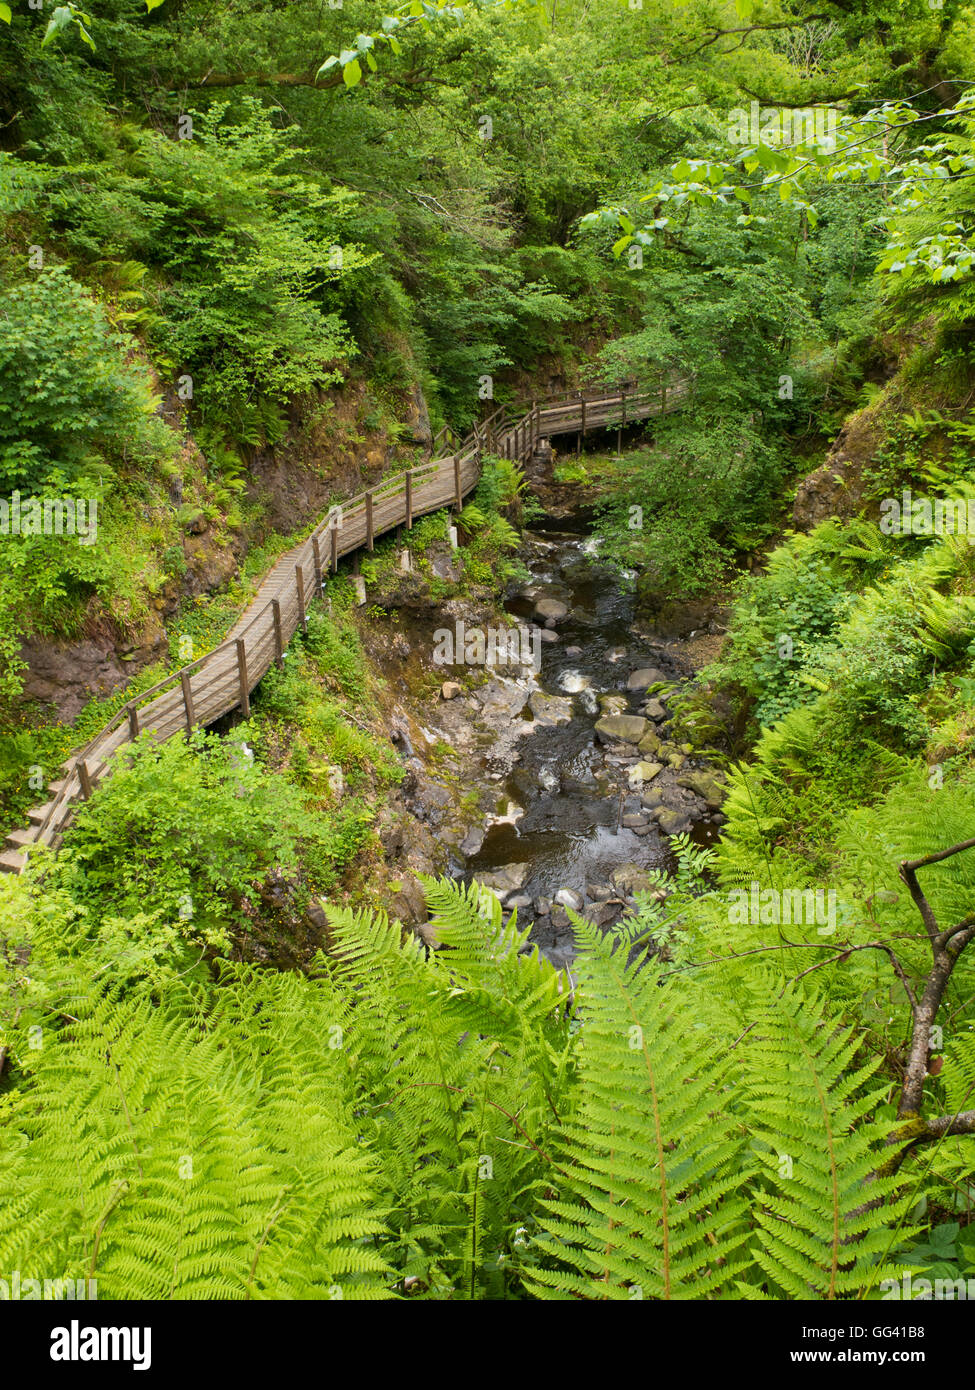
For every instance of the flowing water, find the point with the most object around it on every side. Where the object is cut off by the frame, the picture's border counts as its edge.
(560, 804)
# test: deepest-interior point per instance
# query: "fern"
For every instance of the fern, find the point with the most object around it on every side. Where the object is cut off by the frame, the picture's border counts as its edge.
(818, 1234)
(651, 1199)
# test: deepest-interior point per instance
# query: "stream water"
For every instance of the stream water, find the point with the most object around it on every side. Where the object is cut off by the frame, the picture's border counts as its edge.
(561, 803)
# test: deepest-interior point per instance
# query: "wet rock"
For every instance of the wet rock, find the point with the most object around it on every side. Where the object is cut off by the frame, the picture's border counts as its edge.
(673, 821)
(630, 878)
(584, 618)
(598, 892)
(650, 742)
(567, 897)
(502, 701)
(644, 678)
(621, 728)
(706, 784)
(550, 709)
(520, 900)
(602, 913)
(573, 651)
(506, 880)
(551, 608)
(472, 841)
(634, 821)
(612, 704)
(547, 635)
(543, 906)
(450, 690)
(644, 772)
(653, 709)
(559, 917)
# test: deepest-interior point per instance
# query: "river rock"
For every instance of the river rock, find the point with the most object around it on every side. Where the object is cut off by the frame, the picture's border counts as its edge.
(543, 906)
(598, 892)
(567, 897)
(650, 742)
(645, 677)
(450, 690)
(547, 635)
(502, 700)
(644, 772)
(520, 900)
(505, 881)
(653, 709)
(634, 821)
(621, 728)
(472, 841)
(573, 651)
(551, 608)
(550, 709)
(602, 913)
(630, 878)
(706, 784)
(612, 704)
(559, 917)
(673, 821)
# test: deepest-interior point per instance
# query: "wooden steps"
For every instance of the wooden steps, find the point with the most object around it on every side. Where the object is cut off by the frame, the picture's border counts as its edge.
(12, 861)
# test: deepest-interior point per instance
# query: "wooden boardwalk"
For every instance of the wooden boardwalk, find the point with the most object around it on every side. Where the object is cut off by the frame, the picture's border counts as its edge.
(221, 681)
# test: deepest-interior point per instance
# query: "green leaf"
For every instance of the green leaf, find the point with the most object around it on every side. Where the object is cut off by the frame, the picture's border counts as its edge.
(352, 73)
(5, 13)
(152, 5)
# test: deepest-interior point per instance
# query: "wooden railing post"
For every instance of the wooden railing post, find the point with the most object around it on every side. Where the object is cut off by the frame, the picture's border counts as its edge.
(318, 563)
(458, 495)
(409, 499)
(184, 681)
(133, 723)
(334, 543)
(369, 535)
(278, 642)
(245, 695)
(663, 398)
(85, 780)
(300, 583)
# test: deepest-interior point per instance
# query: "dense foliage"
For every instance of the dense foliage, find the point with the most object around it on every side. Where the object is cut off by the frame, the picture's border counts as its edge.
(219, 225)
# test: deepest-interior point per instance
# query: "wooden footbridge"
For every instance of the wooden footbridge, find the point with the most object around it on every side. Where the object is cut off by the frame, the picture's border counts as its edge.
(223, 680)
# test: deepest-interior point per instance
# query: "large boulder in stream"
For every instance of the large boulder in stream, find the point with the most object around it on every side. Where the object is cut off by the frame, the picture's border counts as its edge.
(644, 678)
(551, 608)
(621, 728)
(550, 709)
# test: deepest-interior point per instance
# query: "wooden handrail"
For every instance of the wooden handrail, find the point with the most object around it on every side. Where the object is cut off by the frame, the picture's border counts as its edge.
(267, 626)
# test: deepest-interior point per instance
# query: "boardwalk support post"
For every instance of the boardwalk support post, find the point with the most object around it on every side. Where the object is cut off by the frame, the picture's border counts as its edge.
(278, 640)
(133, 714)
(369, 534)
(334, 543)
(85, 780)
(245, 695)
(300, 584)
(318, 563)
(458, 495)
(409, 499)
(184, 681)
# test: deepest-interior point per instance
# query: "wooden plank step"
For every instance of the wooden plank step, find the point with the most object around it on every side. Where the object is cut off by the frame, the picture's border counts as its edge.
(37, 815)
(12, 861)
(20, 839)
